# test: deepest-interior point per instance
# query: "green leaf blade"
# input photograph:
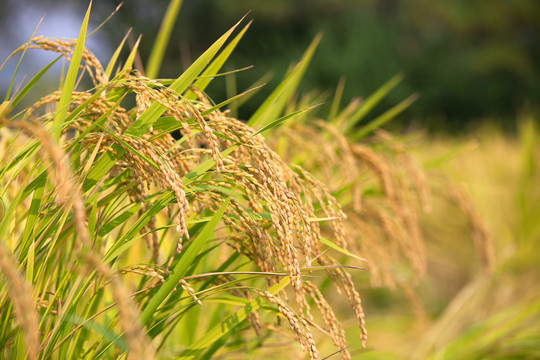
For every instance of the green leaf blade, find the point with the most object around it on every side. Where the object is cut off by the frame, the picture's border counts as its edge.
(164, 34)
(228, 324)
(384, 118)
(372, 101)
(218, 62)
(71, 77)
(275, 103)
(184, 262)
(143, 123)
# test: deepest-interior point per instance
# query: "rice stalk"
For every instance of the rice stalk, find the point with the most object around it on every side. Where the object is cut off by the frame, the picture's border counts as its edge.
(268, 221)
(384, 191)
(22, 299)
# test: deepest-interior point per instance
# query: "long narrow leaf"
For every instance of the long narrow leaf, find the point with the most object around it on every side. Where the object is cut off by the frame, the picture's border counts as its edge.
(32, 82)
(8, 92)
(384, 118)
(228, 324)
(341, 250)
(129, 239)
(131, 58)
(114, 57)
(96, 29)
(218, 62)
(147, 118)
(283, 119)
(275, 103)
(184, 263)
(371, 101)
(337, 100)
(261, 81)
(33, 213)
(162, 39)
(205, 166)
(71, 77)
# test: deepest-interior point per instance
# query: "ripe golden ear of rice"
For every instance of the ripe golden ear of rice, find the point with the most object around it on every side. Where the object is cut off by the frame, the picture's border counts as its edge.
(269, 217)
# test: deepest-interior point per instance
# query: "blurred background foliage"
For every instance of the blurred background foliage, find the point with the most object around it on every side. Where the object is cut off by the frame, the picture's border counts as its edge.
(467, 59)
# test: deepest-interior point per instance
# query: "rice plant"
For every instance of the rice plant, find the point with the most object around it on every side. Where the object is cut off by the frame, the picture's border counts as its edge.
(141, 219)
(120, 238)
(495, 316)
(387, 194)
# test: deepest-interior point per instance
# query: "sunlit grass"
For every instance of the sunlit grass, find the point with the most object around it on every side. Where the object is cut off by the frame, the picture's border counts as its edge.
(140, 219)
(133, 241)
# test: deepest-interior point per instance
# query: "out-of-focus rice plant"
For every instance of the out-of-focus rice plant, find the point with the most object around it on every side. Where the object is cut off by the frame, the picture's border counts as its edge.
(495, 316)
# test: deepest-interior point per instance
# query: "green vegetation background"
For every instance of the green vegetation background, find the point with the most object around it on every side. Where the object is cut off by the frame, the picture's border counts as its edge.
(467, 59)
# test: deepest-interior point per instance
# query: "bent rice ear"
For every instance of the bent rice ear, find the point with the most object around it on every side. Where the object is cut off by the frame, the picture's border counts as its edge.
(222, 184)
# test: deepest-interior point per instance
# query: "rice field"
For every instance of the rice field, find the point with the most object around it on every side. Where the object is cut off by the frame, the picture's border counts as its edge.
(140, 219)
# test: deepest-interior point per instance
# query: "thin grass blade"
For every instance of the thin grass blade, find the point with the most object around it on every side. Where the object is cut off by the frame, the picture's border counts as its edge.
(216, 65)
(275, 103)
(8, 92)
(184, 263)
(283, 119)
(228, 324)
(150, 116)
(71, 77)
(114, 57)
(32, 82)
(162, 39)
(263, 80)
(337, 100)
(384, 118)
(131, 58)
(371, 102)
